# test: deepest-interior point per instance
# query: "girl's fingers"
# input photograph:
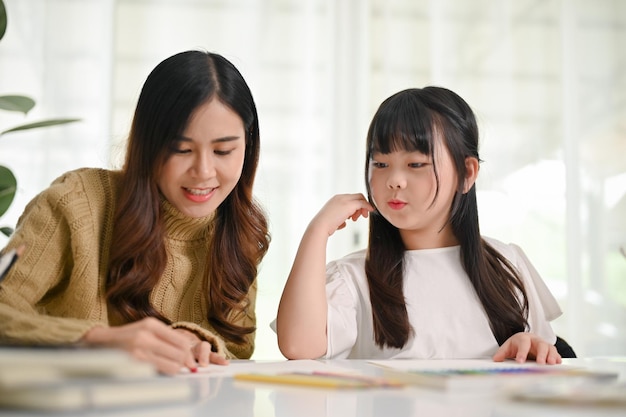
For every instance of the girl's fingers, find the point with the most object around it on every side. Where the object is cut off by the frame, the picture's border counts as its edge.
(553, 356)
(547, 354)
(522, 349)
(338, 209)
(503, 352)
(542, 353)
(522, 346)
(359, 213)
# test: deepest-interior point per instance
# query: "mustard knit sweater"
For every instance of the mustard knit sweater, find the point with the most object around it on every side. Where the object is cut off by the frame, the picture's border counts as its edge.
(55, 292)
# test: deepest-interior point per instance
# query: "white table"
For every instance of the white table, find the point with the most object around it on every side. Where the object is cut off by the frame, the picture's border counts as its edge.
(223, 396)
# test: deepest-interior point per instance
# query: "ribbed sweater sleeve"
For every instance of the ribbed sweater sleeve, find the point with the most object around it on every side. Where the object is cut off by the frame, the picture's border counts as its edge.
(54, 293)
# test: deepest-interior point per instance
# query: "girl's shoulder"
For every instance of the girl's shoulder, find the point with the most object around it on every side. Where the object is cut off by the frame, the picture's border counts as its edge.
(508, 250)
(353, 259)
(350, 267)
(346, 282)
(515, 255)
(540, 295)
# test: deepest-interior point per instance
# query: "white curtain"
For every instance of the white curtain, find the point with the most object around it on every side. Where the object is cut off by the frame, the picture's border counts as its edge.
(546, 78)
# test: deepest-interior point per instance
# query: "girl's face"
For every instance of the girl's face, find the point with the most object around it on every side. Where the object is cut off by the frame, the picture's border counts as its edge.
(206, 163)
(404, 190)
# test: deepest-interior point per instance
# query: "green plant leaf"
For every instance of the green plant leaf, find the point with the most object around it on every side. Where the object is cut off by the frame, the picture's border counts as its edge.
(17, 103)
(8, 187)
(7, 231)
(3, 19)
(42, 123)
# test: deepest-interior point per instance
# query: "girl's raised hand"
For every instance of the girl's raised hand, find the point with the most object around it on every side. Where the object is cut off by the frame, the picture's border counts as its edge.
(340, 208)
(522, 345)
(302, 312)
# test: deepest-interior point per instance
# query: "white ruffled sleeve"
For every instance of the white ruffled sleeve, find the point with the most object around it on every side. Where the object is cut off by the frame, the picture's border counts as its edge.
(341, 327)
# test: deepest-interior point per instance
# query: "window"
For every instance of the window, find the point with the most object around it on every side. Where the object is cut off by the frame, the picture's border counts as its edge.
(545, 79)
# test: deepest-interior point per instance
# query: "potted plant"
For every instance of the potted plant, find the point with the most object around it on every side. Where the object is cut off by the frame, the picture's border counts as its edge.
(22, 104)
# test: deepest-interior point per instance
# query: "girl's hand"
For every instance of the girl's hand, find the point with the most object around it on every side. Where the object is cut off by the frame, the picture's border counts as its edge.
(153, 341)
(338, 209)
(202, 350)
(527, 345)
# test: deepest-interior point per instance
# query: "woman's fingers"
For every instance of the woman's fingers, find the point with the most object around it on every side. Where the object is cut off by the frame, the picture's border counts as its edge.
(218, 359)
(202, 353)
(162, 345)
(162, 363)
(148, 340)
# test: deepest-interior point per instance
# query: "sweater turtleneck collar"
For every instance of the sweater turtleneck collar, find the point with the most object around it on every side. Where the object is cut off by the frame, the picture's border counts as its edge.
(182, 227)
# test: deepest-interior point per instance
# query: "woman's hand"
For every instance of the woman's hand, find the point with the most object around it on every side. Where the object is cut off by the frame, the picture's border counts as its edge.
(153, 341)
(202, 350)
(521, 346)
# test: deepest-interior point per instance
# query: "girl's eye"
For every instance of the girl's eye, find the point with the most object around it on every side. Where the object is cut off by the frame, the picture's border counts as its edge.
(378, 164)
(416, 164)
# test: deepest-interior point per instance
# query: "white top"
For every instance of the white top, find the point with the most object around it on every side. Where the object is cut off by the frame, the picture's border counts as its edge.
(449, 321)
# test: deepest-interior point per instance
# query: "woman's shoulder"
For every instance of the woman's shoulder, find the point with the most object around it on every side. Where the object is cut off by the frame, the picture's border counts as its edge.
(79, 190)
(79, 197)
(86, 181)
(86, 177)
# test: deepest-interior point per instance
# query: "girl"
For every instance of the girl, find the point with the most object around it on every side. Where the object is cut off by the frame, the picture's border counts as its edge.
(160, 258)
(428, 285)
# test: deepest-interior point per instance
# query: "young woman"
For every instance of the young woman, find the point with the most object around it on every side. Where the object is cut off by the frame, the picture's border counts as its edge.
(428, 285)
(160, 258)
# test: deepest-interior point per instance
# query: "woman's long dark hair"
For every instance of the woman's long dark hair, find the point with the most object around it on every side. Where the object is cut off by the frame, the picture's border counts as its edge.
(171, 93)
(413, 120)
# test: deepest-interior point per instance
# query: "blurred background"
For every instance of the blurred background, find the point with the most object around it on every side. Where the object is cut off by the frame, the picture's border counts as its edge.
(546, 78)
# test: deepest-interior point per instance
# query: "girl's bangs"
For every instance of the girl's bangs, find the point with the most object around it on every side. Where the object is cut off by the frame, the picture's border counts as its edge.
(403, 131)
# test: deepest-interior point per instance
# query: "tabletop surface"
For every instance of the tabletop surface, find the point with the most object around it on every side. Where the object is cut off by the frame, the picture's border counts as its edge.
(217, 393)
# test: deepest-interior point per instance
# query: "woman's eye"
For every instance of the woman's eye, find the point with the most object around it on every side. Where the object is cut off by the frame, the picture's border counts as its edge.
(223, 152)
(181, 150)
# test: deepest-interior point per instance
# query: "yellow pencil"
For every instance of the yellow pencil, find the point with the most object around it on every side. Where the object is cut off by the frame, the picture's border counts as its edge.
(321, 381)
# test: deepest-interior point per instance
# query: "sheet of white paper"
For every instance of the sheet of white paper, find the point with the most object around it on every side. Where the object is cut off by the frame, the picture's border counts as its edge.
(265, 367)
(434, 364)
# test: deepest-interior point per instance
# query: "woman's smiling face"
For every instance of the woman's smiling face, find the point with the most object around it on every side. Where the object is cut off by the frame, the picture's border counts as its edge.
(206, 162)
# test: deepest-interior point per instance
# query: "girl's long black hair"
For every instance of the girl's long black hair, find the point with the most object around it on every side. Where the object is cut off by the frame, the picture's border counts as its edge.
(413, 120)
